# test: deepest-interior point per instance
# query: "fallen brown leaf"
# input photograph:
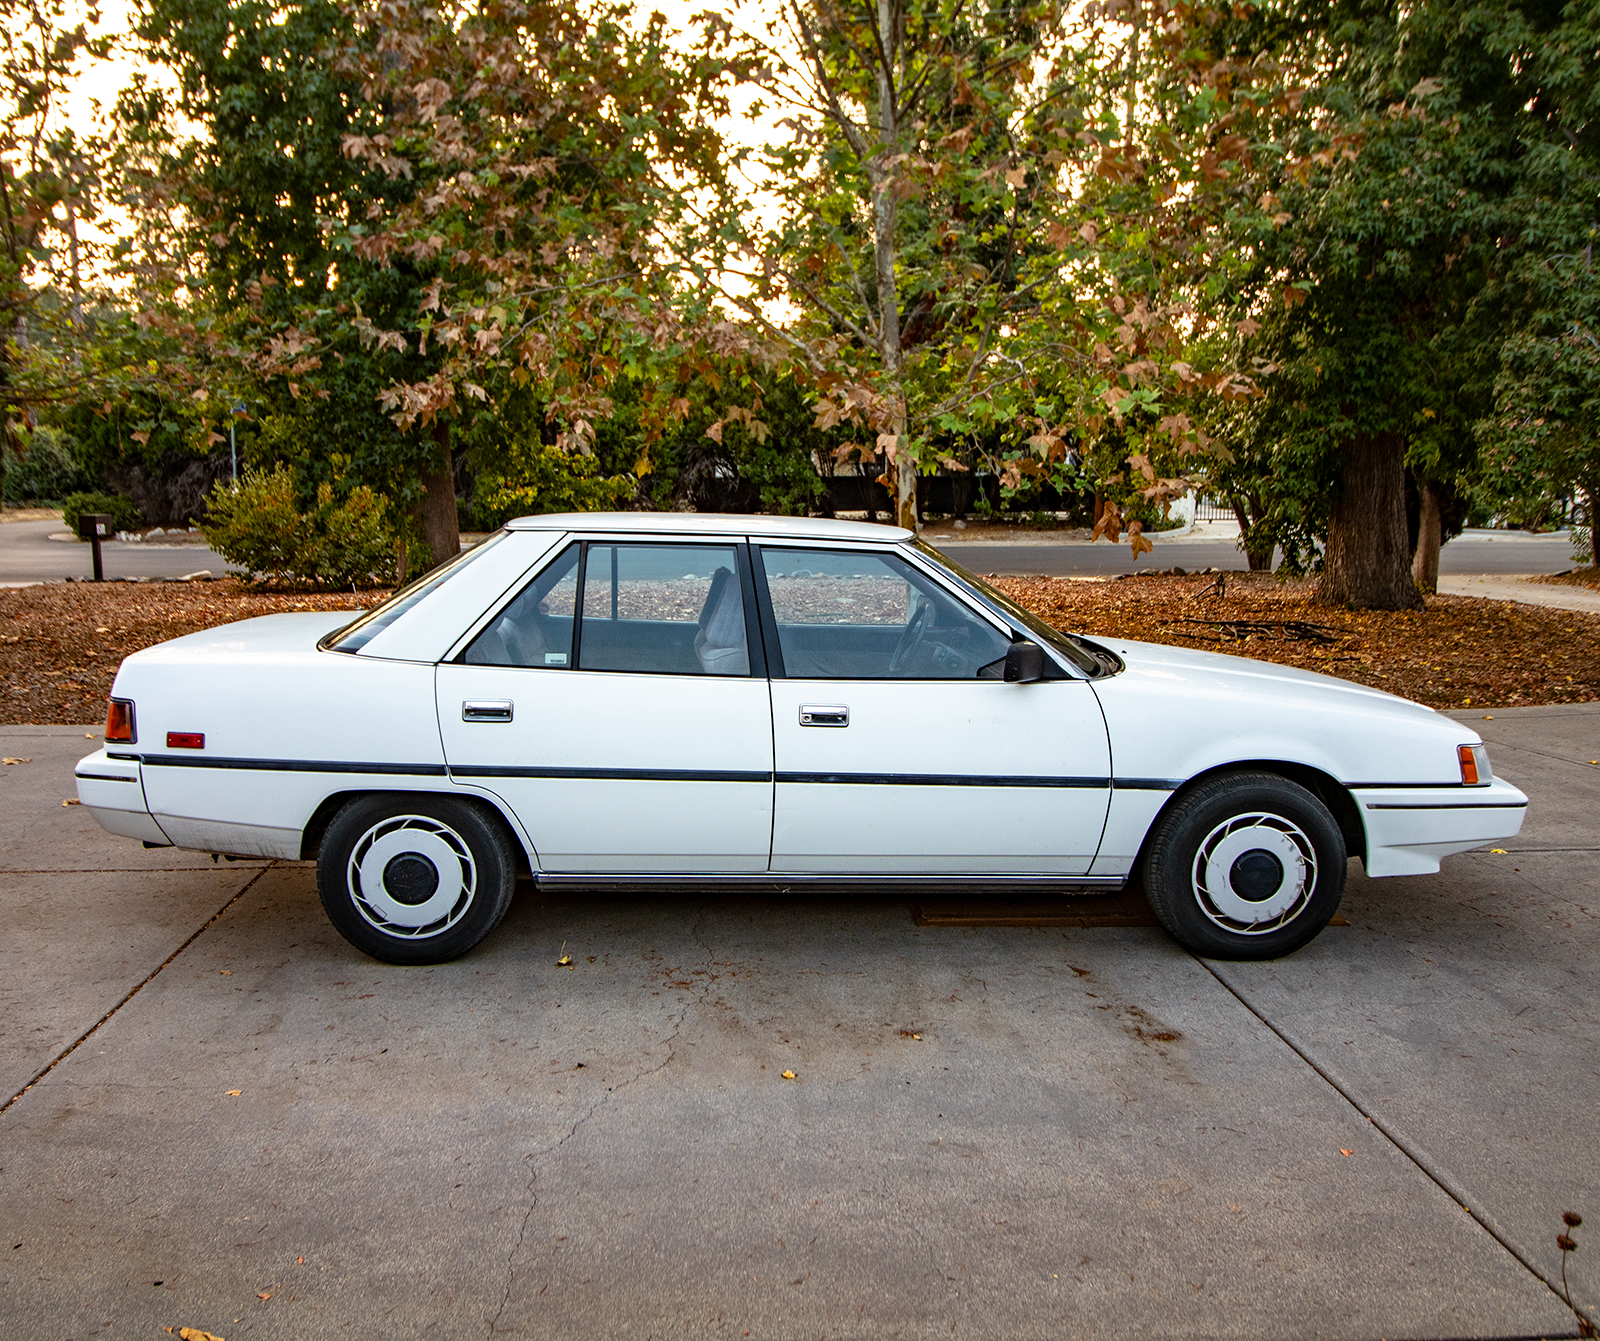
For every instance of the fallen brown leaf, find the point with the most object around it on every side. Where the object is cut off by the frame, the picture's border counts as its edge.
(263, 1294)
(235, 1093)
(195, 1334)
(790, 1075)
(1347, 1153)
(71, 801)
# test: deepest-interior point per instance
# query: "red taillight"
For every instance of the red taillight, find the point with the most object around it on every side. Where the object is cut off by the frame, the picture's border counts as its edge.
(1469, 765)
(119, 722)
(186, 740)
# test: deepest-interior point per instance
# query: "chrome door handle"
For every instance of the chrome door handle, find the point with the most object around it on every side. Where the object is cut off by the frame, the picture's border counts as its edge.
(486, 710)
(820, 714)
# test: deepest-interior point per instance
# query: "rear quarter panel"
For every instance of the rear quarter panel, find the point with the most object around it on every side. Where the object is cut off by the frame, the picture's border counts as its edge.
(285, 727)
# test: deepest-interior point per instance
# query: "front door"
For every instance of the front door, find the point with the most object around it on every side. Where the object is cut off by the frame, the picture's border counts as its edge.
(615, 706)
(898, 747)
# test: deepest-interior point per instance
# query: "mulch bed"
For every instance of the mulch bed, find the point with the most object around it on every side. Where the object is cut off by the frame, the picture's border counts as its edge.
(60, 643)
(1462, 651)
(1573, 577)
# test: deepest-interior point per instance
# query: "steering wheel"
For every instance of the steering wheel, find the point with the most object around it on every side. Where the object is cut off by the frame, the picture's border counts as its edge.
(910, 639)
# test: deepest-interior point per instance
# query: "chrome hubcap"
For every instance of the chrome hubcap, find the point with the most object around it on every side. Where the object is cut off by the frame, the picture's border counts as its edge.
(412, 876)
(1254, 873)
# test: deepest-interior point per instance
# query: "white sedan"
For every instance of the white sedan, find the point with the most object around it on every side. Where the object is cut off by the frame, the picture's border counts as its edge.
(688, 700)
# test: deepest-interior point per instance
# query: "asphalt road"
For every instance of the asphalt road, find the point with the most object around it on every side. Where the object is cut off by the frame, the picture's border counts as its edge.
(235, 1122)
(26, 555)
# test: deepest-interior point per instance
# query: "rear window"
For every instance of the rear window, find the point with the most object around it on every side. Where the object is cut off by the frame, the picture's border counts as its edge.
(353, 637)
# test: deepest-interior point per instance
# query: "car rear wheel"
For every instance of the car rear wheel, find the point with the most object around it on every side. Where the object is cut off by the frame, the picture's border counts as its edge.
(415, 879)
(1245, 866)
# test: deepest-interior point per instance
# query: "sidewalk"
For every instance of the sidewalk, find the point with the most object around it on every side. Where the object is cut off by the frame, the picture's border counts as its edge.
(1511, 587)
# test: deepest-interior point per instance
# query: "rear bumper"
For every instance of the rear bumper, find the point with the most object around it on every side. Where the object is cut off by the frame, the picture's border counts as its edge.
(1410, 829)
(112, 790)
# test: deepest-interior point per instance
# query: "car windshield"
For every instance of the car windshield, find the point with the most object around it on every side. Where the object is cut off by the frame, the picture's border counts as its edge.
(1088, 658)
(353, 637)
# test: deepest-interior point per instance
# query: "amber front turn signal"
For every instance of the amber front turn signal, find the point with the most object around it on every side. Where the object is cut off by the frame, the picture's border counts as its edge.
(119, 722)
(1475, 771)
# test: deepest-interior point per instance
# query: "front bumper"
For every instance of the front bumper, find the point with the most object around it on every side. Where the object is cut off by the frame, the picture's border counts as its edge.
(1410, 829)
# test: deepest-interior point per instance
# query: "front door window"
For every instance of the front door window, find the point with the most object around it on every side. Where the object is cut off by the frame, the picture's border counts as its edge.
(862, 616)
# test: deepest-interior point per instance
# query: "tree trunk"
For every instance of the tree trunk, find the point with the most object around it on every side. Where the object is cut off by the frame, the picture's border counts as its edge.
(1430, 535)
(885, 208)
(1257, 554)
(437, 511)
(1367, 563)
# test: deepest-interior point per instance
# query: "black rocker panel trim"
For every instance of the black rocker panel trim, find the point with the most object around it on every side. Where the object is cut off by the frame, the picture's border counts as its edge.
(294, 765)
(1452, 805)
(611, 774)
(103, 777)
(940, 780)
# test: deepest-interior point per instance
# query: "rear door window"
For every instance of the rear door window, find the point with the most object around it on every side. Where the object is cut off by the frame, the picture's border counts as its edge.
(663, 609)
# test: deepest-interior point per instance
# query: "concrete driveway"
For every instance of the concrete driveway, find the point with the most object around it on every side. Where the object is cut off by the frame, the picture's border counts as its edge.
(227, 1119)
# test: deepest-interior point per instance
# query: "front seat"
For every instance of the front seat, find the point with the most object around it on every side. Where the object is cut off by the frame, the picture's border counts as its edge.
(719, 642)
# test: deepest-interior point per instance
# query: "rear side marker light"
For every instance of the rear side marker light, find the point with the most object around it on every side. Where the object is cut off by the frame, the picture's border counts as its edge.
(1475, 770)
(186, 740)
(119, 722)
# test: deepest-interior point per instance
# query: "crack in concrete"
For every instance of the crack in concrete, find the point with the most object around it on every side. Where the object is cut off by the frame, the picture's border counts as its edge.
(599, 1103)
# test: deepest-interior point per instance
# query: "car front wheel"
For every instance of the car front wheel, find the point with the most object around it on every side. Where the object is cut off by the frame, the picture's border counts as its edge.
(1245, 866)
(415, 879)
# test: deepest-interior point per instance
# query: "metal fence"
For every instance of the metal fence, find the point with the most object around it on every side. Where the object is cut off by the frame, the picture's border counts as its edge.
(1212, 509)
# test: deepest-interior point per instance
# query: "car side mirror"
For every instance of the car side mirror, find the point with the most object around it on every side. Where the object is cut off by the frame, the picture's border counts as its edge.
(1024, 663)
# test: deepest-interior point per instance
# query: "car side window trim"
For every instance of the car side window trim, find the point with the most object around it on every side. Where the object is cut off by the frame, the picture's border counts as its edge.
(768, 620)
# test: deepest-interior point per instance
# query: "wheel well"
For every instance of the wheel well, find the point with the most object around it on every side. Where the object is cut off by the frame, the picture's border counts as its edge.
(1327, 789)
(322, 816)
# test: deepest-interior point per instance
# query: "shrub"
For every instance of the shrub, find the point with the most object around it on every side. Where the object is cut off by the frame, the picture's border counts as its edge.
(259, 526)
(124, 515)
(44, 467)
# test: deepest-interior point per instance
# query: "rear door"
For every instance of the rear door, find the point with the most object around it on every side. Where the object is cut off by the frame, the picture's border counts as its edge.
(898, 747)
(618, 704)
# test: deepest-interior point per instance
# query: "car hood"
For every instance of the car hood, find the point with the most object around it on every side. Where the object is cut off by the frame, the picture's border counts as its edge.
(1175, 712)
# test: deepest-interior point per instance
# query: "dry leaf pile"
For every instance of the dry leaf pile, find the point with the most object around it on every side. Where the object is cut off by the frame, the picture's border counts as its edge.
(60, 643)
(1462, 651)
(1573, 577)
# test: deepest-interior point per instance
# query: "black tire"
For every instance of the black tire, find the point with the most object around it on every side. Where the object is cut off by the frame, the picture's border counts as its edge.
(1245, 866)
(389, 864)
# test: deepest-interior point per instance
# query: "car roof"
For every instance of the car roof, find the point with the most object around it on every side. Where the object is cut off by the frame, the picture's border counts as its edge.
(710, 523)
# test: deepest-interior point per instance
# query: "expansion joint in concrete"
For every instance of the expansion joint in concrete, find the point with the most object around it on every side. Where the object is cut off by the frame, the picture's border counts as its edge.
(132, 992)
(1428, 1167)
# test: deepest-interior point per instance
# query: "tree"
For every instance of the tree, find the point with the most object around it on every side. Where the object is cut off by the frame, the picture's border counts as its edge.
(980, 250)
(1383, 299)
(254, 272)
(48, 181)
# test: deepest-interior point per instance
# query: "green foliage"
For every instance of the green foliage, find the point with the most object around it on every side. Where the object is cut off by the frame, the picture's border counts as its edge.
(125, 516)
(531, 477)
(42, 467)
(260, 526)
